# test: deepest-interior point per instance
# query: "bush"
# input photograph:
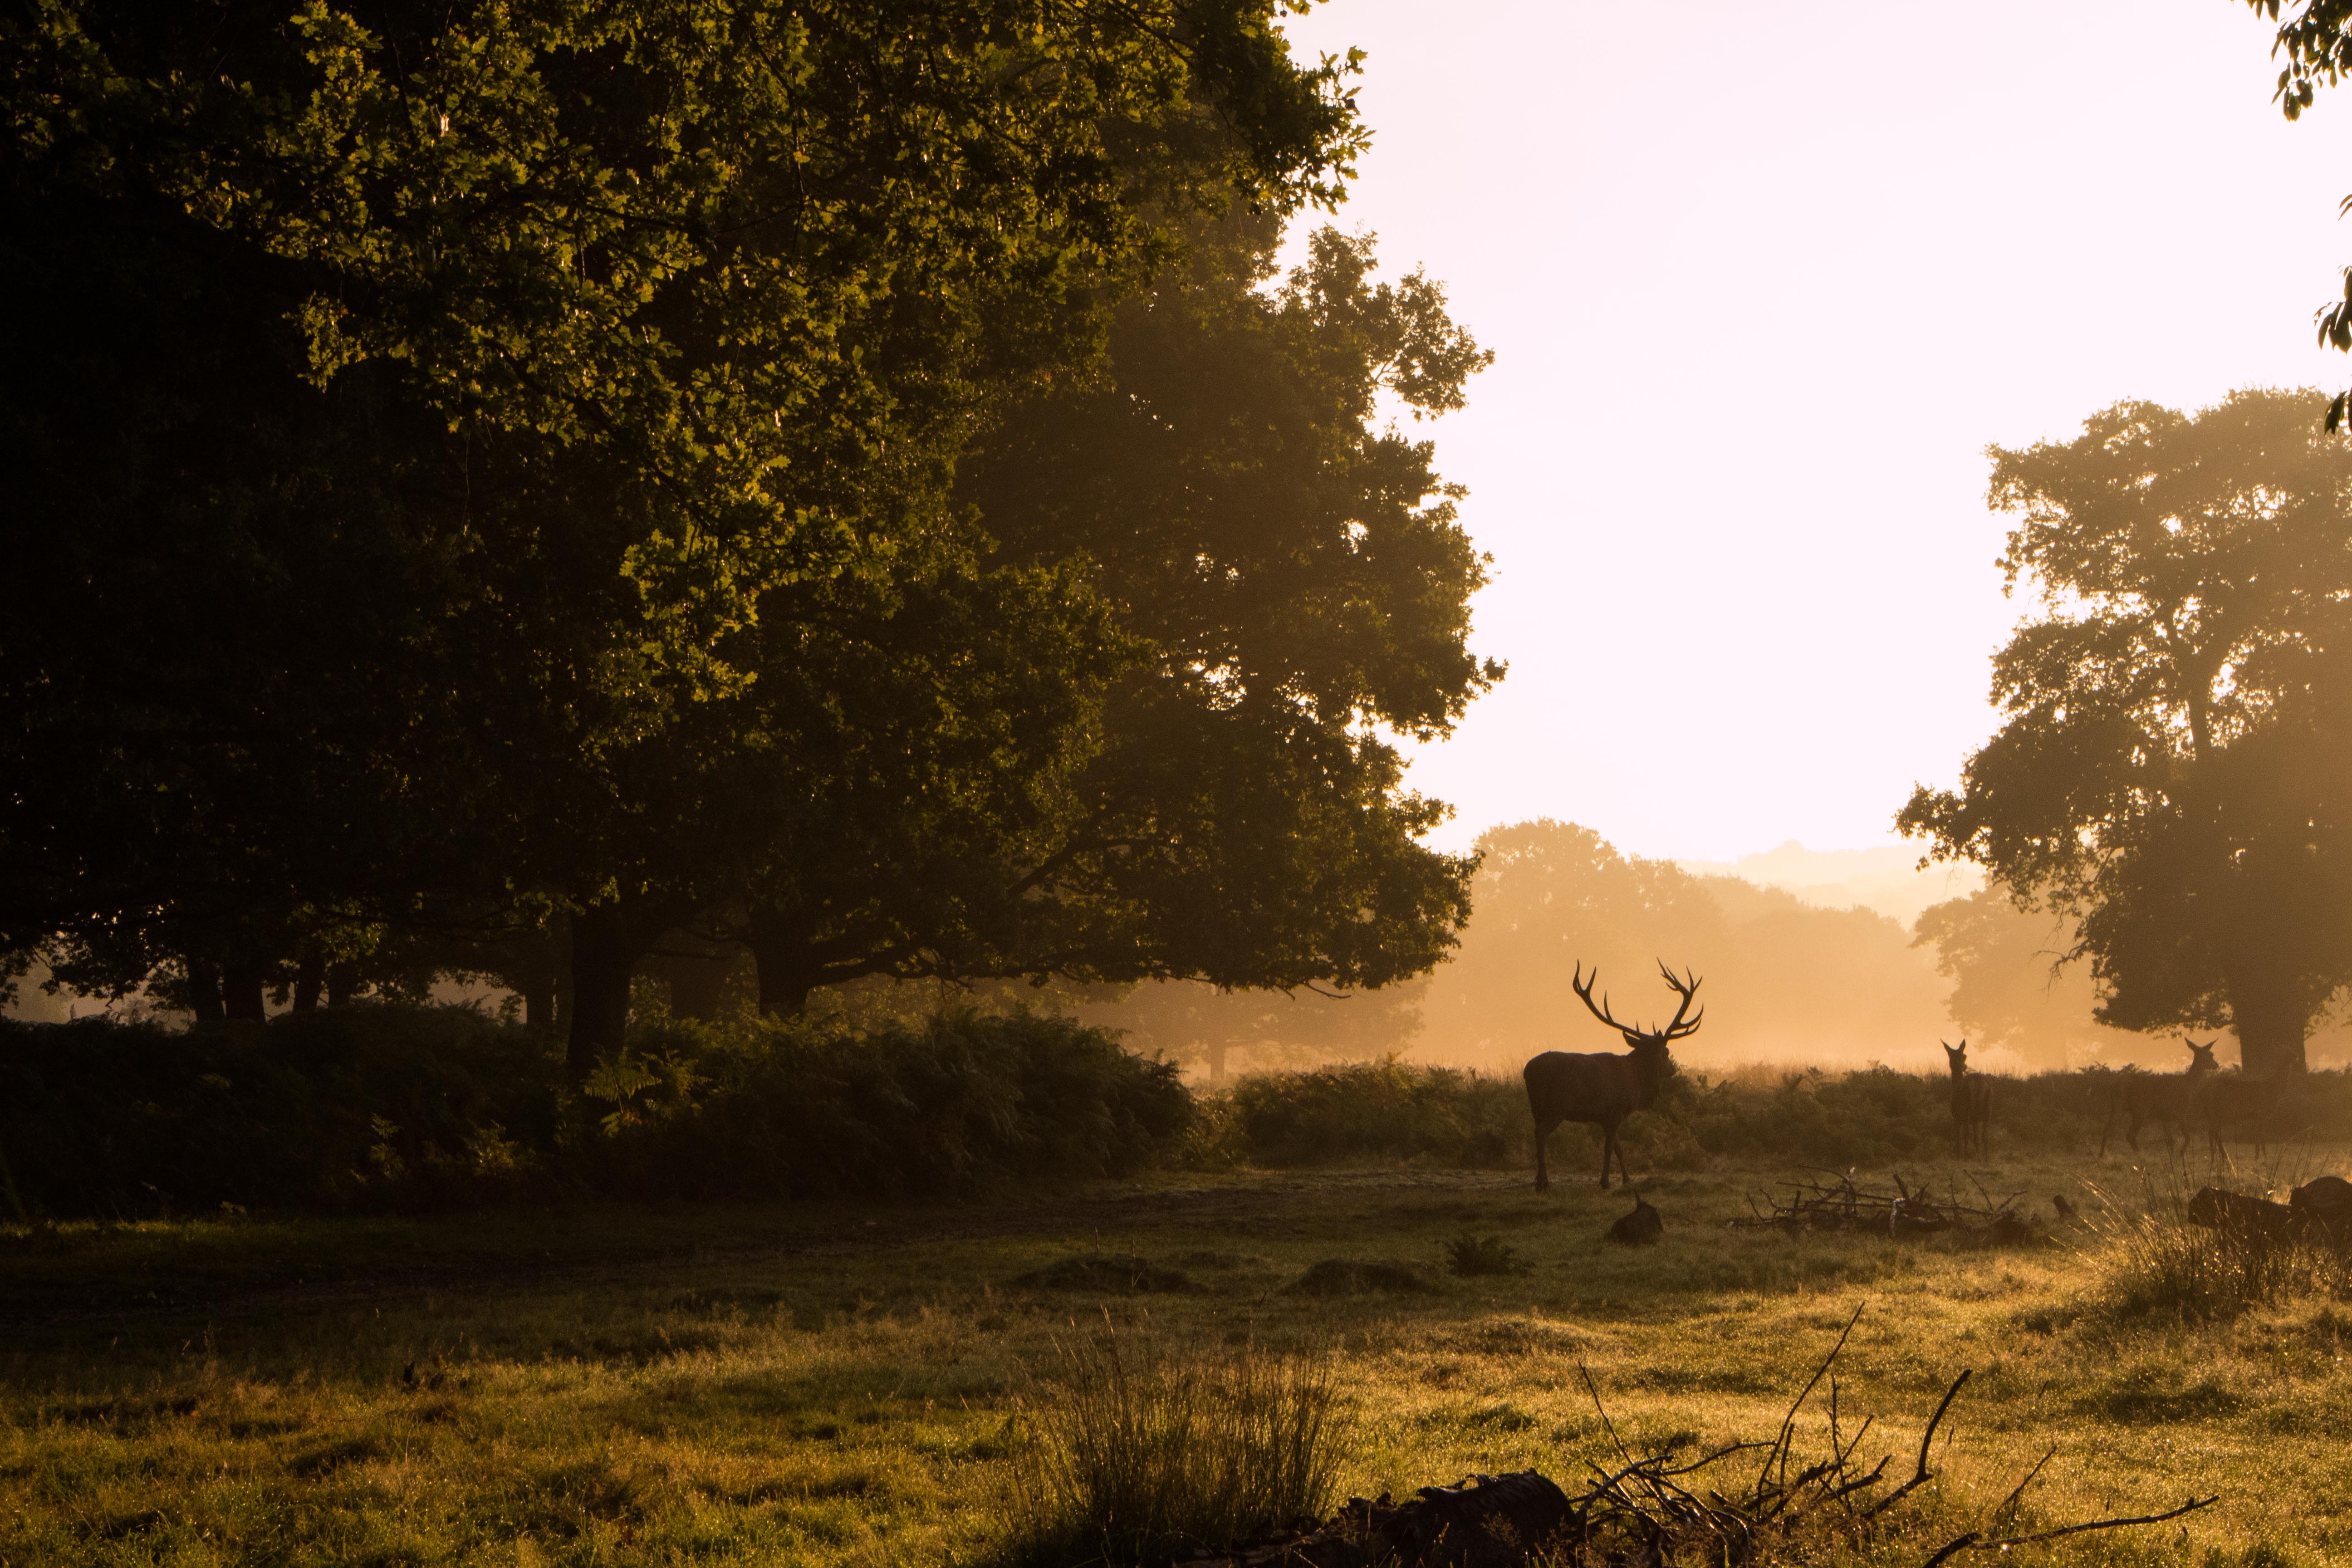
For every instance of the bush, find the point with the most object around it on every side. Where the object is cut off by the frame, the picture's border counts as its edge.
(796, 1109)
(422, 1108)
(1142, 1453)
(1394, 1111)
(1386, 1110)
(353, 1108)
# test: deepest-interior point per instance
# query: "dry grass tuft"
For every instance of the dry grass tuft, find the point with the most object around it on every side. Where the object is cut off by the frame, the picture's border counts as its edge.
(2157, 1262)
(1138, 1449)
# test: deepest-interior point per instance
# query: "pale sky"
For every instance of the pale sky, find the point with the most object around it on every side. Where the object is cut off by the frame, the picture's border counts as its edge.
(1763, 279)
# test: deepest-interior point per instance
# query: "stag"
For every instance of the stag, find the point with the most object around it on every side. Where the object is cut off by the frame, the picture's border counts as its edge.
(1971, 1101)
(1602, 1088)
(2138, 1098)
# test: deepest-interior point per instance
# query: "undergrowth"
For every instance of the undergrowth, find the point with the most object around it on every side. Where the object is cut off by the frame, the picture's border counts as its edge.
(375, 1108)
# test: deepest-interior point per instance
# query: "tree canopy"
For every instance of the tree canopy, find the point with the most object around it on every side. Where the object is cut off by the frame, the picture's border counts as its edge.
(2314, 40)
(2173, 769)
(510, 484)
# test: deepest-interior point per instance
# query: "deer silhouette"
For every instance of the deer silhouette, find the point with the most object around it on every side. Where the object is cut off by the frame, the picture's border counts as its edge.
(2227, 1099)
(1602, 1088)
(2138, 1098)
(1971, 1101)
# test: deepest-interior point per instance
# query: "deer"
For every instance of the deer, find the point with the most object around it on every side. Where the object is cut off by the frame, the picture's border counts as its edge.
(1602, 1088)
(1971, 1101)
(2138, 1098)
(2228, 1098)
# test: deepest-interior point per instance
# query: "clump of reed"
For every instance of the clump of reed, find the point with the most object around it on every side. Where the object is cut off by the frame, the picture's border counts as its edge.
(1139, 1450)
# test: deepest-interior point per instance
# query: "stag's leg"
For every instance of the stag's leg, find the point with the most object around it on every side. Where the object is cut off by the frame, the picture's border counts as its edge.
(1543, 1136)
(1608, 1148)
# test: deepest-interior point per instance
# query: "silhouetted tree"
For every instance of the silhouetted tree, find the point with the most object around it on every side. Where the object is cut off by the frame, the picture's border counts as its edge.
(1789, 980)
(1186, 1021)
(2175, 770)
(2009, 985)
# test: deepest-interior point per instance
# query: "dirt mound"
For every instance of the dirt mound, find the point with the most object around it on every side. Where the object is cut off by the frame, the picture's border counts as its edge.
(1109, 1275)
(1354, 1277)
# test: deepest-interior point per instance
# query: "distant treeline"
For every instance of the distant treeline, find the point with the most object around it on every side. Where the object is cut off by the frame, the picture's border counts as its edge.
(1786, 981)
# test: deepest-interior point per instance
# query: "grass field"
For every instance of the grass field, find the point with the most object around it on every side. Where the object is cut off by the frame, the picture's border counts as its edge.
(836, 1384)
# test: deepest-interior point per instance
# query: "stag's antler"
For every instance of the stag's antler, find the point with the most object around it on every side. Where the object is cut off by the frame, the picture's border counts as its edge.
(1685, 986)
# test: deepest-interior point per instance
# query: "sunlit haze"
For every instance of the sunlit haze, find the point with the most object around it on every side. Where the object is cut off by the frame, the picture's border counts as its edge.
(1763, 281)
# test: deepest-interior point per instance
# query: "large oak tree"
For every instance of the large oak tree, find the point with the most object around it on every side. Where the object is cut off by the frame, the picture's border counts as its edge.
(417, 408)
(2174, 769)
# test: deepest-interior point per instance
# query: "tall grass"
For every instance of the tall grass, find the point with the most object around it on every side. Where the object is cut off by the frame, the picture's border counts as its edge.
(2154, 1261)
(1140, 1450)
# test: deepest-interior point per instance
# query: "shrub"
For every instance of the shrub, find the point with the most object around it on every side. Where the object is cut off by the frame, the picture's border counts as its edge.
(1394, 1111)
(420, 1107)
(1386, 1110)
(353, 1108)
(1142, 1452)
(792, 1108)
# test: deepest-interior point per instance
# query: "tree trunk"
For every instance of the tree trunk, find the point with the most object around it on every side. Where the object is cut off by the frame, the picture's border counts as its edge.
(539, 1002)
(605, 954)
(204, 993)
(787, 962)
(697, 986)
(309, 982)
(342, 983)
(2270, 1046)
(1217, 1061)
(241, 993)
(2266, 1009)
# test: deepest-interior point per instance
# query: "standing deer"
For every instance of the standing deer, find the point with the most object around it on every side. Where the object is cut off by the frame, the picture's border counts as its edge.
(1971, 1101)
(2138, 1098)
(2228, 1099)
(1603, 1088)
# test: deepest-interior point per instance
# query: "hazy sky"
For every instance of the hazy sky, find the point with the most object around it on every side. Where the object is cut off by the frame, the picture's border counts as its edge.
(1763, 279)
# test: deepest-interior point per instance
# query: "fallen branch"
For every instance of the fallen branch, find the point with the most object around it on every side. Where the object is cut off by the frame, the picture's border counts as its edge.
(1640, 1510)
(1974, 1542)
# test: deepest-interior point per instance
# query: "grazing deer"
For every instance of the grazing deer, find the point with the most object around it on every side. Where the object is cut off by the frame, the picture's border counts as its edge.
(1603, 1088)
(1971, 1101)
(2171, 1096)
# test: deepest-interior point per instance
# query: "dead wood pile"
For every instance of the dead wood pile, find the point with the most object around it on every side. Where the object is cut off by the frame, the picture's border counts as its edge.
(1841, 1203)
(1653, 1512)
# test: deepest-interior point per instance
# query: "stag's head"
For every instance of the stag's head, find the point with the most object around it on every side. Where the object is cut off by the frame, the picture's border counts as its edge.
(1956, 1057)
(1650, 1046)
(2201, 1057)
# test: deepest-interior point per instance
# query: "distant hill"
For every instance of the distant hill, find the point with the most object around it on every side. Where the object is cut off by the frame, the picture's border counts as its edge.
(1884, 878)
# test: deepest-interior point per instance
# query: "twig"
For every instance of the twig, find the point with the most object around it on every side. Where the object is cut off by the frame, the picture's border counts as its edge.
(2191, 1506)
(2008, 1510)
(1919, 1475)
(1610, 1426)
(1972, 1540)
(1789, 1422)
